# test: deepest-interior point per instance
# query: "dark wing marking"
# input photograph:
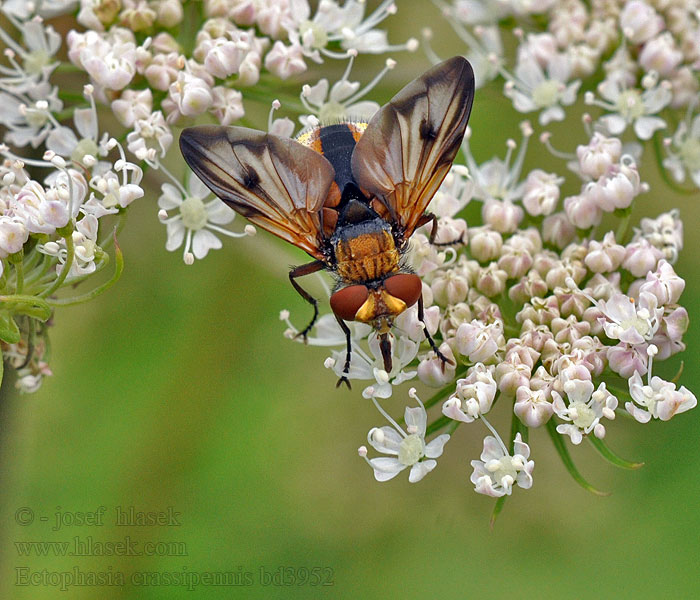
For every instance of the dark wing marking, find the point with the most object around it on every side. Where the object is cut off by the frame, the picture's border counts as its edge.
(275, 182)
(410, 143)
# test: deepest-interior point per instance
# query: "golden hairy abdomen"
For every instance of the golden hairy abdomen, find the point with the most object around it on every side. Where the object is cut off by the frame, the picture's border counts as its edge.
(366, 257)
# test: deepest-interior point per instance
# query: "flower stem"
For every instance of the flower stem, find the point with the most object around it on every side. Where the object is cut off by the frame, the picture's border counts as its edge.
(66, 267)
(118, 269)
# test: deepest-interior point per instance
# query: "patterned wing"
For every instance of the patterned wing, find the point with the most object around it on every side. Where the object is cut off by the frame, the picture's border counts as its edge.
(276, 183)
(410, 143)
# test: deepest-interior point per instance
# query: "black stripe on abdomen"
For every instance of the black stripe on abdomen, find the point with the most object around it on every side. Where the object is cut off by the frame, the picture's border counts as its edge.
(337, 144)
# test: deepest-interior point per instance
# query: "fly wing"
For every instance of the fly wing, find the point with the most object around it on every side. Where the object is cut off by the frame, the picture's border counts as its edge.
(410, 143)
(275, 182)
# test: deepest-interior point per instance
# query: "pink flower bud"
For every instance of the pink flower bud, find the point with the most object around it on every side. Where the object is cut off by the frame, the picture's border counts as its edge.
(502, 215)
(605, 256)
(664, 284)
(641, 257)
(485, 244)
(661, 54)
(640, 22)
(583, 211)
(598, 155)
(433, 372)
(558, 230)
(541, 193)
(449, 287)
(492, 281)
(532, 407)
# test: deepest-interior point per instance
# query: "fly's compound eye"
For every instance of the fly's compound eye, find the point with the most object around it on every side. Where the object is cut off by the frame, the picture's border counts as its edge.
(404, 286)
(346, 302)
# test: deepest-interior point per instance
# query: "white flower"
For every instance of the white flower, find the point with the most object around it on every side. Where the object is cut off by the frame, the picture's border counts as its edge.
(658, 399)
(63, 141)
(407, 448)
(628, 321)
(366, 367)
(640, 22)
(84, 243)
(473, 397)
(496, 178)
(632, 106)
(343, 100)
(497, 471)
(545, 89)
(150, 137)
(196, 221)
(584, 410)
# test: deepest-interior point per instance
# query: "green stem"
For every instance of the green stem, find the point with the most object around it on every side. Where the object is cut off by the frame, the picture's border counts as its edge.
(66, 267)
(19, 273)
(623, 226)
(118, 268)
(563, 452)
(32, 306)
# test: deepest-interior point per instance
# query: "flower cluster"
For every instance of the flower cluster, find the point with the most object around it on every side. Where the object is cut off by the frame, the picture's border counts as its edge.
(537, 288)
(138, 63)
(538, 302)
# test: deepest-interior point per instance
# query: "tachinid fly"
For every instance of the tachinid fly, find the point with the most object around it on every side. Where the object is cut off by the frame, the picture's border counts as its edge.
(349, 194)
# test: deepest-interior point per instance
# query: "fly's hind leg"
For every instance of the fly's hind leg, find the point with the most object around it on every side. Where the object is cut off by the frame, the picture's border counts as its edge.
(300, 271)
(433, 346)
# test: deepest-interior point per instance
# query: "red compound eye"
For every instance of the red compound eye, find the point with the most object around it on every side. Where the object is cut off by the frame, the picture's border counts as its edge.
(404, 286)
(346, 302)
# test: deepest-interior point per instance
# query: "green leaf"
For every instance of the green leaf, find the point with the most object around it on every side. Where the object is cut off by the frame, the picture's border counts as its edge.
(9, 332)
(563, 452)
(497, 510)
(611, 457)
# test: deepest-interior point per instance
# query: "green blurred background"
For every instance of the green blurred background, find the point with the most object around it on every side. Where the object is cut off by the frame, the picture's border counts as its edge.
(177, 389)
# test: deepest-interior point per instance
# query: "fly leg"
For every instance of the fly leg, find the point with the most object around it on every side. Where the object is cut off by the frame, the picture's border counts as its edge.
(421, 318)
(300, 271)
(348, 353)
(431, 218)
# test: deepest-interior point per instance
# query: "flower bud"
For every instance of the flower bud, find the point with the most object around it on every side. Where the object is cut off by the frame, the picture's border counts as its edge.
(583, 211)
(502, 215)
(598, 155)
(433, 371)
(532, 407)
(541, 193)
(661, 54)
(557, 229)
(449, 287)
(640, 22)
(492, 281)
(605, 256)
(641, 257)
(485, 244)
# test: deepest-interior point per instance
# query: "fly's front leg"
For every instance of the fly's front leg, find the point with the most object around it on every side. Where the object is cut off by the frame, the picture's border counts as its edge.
(300, 271)
(421, 318)
(348, 353)
(431, 218)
